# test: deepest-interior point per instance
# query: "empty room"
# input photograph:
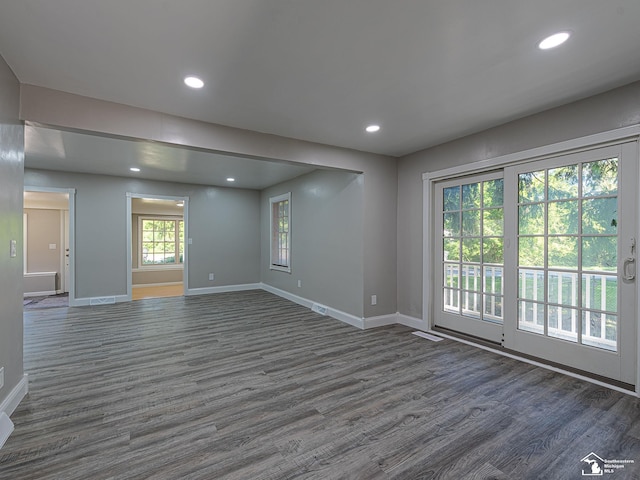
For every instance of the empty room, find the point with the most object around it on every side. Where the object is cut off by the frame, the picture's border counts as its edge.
(320, 240)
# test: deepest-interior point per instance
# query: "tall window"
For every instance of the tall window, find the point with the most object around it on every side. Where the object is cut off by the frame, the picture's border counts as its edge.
(280, 208)
(161, 241)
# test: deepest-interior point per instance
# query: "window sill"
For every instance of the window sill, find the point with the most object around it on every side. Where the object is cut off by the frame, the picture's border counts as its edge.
(278, 268)
(158, 267)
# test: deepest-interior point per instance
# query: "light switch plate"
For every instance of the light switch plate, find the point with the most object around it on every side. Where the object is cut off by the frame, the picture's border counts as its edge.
(13, 248)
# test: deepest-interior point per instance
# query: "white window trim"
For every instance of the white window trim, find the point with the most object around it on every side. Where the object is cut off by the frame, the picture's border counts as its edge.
(272, 200)
(156, 266)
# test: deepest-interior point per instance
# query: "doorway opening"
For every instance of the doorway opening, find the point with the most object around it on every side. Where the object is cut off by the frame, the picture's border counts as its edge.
(157, 248)
(48, 247)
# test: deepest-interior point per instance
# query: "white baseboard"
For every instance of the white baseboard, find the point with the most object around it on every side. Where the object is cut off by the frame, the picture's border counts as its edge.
(380, 321)
(46, 293)
(94, 301)
(412, 322)
(223, 289)
(8, 406)
(6, 428)
(305, 302)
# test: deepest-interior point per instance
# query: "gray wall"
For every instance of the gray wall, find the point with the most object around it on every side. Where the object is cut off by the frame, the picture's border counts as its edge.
(61, 109)
(11, 182)
(326, 239)
(223, 223)
(614, 109)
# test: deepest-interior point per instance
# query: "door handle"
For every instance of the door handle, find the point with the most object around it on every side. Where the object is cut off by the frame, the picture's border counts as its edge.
(629, 269)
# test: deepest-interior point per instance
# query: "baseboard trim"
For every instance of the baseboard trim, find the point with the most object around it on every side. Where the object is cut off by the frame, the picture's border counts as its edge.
(380, 321)
(6, 428)
(16, 395)
(45, 293)
(223, 289)
(97, 301)
(412, 322)
(305, 302)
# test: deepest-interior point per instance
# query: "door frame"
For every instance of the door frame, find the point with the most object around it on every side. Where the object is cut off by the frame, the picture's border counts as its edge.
(185, 219)
(69, 282)
(429, 179)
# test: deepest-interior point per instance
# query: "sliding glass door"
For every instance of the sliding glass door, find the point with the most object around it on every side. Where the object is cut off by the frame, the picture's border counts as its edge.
(540, 258)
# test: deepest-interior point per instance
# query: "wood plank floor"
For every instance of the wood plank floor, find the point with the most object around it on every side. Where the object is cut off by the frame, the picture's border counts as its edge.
(250, 386)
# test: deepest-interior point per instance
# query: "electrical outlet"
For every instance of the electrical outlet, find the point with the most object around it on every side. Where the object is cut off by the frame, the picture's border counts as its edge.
(299, 283)
(374, 299)
(1, 377)
(211, 277)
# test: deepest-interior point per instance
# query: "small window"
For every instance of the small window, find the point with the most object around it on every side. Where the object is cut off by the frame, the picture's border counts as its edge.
(280, 208)
(161, 241)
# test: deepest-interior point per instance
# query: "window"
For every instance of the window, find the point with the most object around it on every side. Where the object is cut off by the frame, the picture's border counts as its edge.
(161, 241)
(280, 208)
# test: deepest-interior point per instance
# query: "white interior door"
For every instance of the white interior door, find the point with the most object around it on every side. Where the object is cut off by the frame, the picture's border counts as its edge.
(67, 252)
(570, 258)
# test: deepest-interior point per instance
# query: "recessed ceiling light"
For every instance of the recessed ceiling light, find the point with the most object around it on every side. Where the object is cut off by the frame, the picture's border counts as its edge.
(231, 179)
(193, 82)
(134, 169)
(554, 40)
(373, 128)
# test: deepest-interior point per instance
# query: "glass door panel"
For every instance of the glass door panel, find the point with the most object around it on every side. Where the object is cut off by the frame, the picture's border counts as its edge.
(470, 261)
(564, 217)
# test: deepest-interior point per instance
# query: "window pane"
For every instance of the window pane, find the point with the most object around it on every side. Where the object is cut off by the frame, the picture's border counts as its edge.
(600, 178)
(563, 182)
(492, 250)
(451, 299)
(451, 248)
(451, 275)
(471, 278)
(451, 199)
(600, 216)
(493, 308)
(563, 217)
(492, 222)
(563, 252)
(493, 280)
(471, 223)
(531, 317)
(471, 195)
(492, 195)
(531, 284)
(600, 292)
(600, 253)
(451, 224)
(471, 250)
(563, 288)
(531, 251)
(600, 330)
(562, 323)
(531, 219)
(531, 187)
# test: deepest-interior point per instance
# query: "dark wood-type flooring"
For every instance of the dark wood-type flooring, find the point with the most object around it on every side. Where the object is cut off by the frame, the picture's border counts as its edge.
(250, 386)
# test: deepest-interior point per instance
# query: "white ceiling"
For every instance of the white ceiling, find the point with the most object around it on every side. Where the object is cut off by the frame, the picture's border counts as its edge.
(52, 149)
(426, 70)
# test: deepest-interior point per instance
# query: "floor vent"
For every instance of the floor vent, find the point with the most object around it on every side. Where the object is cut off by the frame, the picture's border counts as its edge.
(433, 338)
(102, 300)
(321, 309)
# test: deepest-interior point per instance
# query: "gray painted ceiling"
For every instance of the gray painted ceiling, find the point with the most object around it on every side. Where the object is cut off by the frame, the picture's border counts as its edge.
(426, 70)
(52, 149)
